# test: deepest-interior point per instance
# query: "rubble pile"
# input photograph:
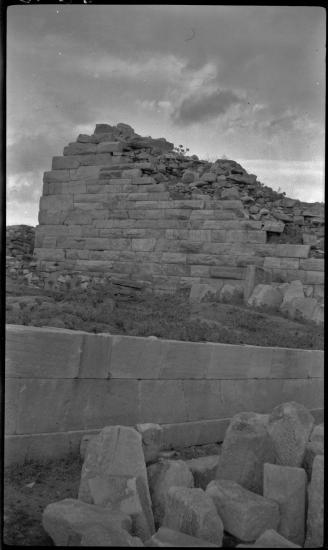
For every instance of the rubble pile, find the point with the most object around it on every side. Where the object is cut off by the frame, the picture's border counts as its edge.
(254, 493)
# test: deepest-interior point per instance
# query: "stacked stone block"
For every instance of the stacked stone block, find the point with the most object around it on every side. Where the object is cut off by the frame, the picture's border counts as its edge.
(104, 217)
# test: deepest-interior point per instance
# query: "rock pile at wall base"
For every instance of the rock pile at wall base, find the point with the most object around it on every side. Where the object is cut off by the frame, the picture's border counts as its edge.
(192, 516)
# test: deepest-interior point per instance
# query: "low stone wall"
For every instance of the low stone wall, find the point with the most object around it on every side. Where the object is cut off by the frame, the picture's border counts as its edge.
(62, 384)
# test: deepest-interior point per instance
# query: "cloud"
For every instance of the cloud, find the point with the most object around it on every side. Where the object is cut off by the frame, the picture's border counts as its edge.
(204, 106)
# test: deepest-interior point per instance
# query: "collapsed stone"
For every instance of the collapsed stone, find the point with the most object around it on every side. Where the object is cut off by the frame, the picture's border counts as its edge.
(67, 520)
(289, 426)
(98, 536)
(270, 539)
(192, 512)
(114, 472)
(265, 296)
(161, 477)
(152, 440)
(244, 514)
(246, 447)
(287, 486)
(314, 533)
(170, 537)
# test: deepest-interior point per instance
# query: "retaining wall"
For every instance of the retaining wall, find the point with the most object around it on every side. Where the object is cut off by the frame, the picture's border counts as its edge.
(61, 384)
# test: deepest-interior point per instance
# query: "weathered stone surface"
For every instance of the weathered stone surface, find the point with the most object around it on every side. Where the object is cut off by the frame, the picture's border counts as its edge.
(152, 440)
(161, 477)
(244, 514)
(246, 447)
(171, 538)
(231, 293)
(289, 426)
(113, 536)
(286, 485)
(270, 539)
(314, 532)
(294, 290)
(113, 457)
(200, 292)
(66, 521)
(192, 512)
(265, 296)
(203, 469)
(84, 444)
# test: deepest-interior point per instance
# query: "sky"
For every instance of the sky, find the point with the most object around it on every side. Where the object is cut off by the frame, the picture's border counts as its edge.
(247, 82)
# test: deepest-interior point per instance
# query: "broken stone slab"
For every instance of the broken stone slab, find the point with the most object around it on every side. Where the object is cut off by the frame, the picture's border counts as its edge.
(113, 456)
(314, 532)
(67, 520)
(265, 296)
(270, 539)
(314, 447)
(273, 227)
(293, 290)
(246, 447)
(289, 427)
(152, 440)
(286, 485)
(171, 538)
(203, 469)
(244, 514)
(98, 536)
(231, 293)
(192, 512)
(161, 477)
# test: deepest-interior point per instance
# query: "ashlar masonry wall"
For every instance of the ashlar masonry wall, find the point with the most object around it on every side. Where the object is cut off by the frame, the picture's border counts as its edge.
(62, 384)
(102, 214)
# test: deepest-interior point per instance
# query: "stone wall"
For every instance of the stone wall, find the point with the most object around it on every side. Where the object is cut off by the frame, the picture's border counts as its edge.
(117, 205)
(61, 384)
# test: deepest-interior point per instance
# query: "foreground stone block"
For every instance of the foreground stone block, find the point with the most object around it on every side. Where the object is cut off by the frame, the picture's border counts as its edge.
(152, 440)
(98, 536)
(113, 457)
(265, 296)
(270, 539)
(203, 469)
(169, 537)
(67, 520)
(244, 514)
(162, 476)
(287, 486)
(192, 512)
(246, 447)
(314, 533)
(314, 447)
(289, 426)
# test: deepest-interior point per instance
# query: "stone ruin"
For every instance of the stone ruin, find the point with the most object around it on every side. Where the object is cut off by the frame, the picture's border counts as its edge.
(121, 207)
(263, 490)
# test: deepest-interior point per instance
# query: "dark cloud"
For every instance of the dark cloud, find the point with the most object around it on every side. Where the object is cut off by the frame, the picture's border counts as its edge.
(204, 106)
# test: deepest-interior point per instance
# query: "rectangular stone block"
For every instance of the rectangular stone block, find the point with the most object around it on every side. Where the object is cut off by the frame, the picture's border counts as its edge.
(95, 356)
(11, 394)
(43, 404)
(244, 236)
(227, 272)
(84, 172)
(186, 434)
(56, 176)
(49, 253)
(109, 147)
(200, 271)
(98, 403)
(231, 224)
(56, 202)
(146, 214)
(143, 180)
(212, 215)
(93, 265)
(287, 486)
(96, 243)
(174, 257)
(65, 163)
(77, 148)
(70, 242)
(281, 263)
(76, 254)
(312, 264)
(143, 244)
(162, 401)
(33, 352)
(290, 250)
(177, 213)
(314, 277)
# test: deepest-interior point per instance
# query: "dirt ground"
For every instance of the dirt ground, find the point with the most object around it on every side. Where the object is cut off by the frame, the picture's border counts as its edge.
(29, 488)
